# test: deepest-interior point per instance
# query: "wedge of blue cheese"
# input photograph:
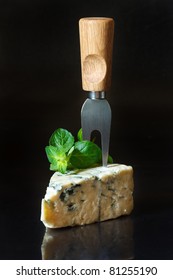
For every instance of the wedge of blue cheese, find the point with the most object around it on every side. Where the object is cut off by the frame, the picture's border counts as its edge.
(88, 196)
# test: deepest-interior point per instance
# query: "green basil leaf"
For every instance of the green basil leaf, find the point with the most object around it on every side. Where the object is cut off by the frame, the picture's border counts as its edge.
(85, 154)
(62, 139)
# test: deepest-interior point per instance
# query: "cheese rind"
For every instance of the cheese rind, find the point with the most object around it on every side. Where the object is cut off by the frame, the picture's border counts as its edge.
(88, 196)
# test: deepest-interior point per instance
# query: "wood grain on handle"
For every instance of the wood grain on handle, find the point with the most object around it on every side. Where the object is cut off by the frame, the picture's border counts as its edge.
(96, 44)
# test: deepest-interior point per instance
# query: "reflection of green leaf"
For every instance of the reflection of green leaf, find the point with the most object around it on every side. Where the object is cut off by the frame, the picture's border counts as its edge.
(85, 154)
(62, 139)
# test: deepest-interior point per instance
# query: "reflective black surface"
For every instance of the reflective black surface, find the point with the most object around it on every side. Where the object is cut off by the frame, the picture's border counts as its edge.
(146, 234)
(40, 90)
(109, 240)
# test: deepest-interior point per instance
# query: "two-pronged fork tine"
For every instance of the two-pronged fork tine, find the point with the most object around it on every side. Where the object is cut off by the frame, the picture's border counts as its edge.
(96, 115)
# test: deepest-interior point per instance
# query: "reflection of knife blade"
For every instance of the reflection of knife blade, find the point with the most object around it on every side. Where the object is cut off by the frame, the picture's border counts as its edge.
(96, 43)
(108, 240)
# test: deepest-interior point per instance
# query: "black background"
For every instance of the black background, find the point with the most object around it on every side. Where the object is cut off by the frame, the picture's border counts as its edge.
(40, 90)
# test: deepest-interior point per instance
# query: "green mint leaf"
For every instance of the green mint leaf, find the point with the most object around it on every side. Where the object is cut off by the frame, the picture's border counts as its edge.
(79, 135)
(57, 158)
(64, 154)
(60, 166)
(52, 153)
(85, 154)
(62, 139)
(110, 159)
(70, 151)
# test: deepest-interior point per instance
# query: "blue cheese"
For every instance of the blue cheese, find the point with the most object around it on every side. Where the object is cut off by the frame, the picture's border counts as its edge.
(87, 196)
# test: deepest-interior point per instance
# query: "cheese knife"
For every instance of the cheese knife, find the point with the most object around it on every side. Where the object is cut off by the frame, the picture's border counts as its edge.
(96, 45)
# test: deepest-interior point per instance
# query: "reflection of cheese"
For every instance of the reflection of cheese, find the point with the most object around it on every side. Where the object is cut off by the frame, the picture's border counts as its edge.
(88, 196)
(99, 241)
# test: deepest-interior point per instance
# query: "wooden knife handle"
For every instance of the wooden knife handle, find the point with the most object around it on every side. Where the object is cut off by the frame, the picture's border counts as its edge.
(96, 45)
